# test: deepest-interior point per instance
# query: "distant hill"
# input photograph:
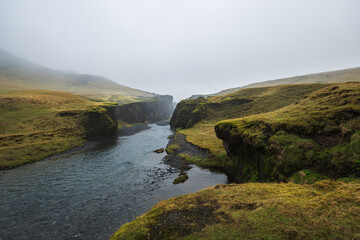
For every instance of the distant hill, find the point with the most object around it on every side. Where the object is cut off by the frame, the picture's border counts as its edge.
(340, 76)
(17, 73)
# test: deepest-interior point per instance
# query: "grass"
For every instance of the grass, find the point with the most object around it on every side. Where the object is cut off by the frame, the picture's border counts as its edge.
(306, 176)
(320, 131)
(324, 210)
(242, 103)
(339, 76)
(319, 111)
(239, 104)
(170, 148)
(35, 124)
(203, 135)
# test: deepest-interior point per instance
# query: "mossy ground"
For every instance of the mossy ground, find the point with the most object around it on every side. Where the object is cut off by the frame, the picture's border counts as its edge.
(239, 104)
(324, 210)
(170, 148)
(203, 135)
(35, 124)
(320, 132)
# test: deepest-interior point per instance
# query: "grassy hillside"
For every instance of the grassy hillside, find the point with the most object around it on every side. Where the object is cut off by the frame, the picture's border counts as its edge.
(324, 210)
(305, 134)
(321, 132)
(35, 124)
(196, 118)
(340, 76)
(17, 73)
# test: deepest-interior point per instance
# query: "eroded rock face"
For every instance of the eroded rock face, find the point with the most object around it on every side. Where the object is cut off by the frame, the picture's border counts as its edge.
(320, 133)
(101, 123)
(160, 108)
(187, 113)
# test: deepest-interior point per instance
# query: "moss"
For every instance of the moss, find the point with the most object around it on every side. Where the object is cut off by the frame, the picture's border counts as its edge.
(306, 177)
(181, 179)
(319, 132)
(170, 148)
(36, 124)
(241, 103)
(324, 210)
(99, 123)
(189, 157)
(188, 113)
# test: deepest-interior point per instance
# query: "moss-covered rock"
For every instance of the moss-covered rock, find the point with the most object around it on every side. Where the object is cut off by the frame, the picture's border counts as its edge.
(320, 132)
(187, 113)
(101, 123)
(182, 178)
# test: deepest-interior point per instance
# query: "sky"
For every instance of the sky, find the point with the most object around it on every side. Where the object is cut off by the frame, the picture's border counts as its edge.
(184, 47)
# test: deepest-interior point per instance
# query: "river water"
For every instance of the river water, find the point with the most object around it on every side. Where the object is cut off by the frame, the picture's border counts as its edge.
(90, 193)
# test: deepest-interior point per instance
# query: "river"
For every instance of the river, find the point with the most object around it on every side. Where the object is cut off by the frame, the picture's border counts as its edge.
(90, 193)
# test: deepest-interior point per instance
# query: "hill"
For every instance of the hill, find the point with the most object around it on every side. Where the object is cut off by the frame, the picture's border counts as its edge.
(324, 210)
(17, 73)
(321, 132)
(306, 141)
(196, 118)
(320, 121)
(35, 124)
(339, 76)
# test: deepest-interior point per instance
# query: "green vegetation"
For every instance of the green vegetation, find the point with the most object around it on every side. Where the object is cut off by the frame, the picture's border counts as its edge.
(203, 135)
(306, 177)
(324, 210)
(199, 130)
(300, 134)
(340, 76)
(319, 132)
(202, 162)
(35, 124)
(181, 179)
(170, 148)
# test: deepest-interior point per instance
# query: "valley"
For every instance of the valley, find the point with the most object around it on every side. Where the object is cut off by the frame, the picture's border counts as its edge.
(290, 153)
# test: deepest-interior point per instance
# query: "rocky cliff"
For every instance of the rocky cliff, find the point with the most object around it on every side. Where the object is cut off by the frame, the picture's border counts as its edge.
(101, 122)
(188, 112)
(320, 132)
(159, 108)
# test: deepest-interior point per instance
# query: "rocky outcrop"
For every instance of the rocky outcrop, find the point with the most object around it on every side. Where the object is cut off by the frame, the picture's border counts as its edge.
(159, 108)
(188, 112)
(321, 133)
(101, 123)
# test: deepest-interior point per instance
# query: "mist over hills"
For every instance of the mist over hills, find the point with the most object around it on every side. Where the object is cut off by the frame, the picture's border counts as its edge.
(339, 76)
(17, 73)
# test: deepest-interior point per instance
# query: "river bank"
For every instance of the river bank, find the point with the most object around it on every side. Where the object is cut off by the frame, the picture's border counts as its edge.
(89, 193)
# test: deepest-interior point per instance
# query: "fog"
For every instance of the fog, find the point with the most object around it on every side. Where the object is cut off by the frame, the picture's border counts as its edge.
(184, 47)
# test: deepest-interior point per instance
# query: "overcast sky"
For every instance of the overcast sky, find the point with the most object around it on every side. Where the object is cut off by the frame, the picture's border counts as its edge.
(184, 47)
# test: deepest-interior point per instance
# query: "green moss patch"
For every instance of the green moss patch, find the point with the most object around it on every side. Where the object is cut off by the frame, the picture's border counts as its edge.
(170, 148)
(323, 210)
(320, 132)
(181, 179)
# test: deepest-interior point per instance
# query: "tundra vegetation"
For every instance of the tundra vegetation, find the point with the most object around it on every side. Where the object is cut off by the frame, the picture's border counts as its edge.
(36, 124)
(305, 139)
(323, 210)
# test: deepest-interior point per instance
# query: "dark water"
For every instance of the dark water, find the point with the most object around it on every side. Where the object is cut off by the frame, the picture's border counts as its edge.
(91, 193)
